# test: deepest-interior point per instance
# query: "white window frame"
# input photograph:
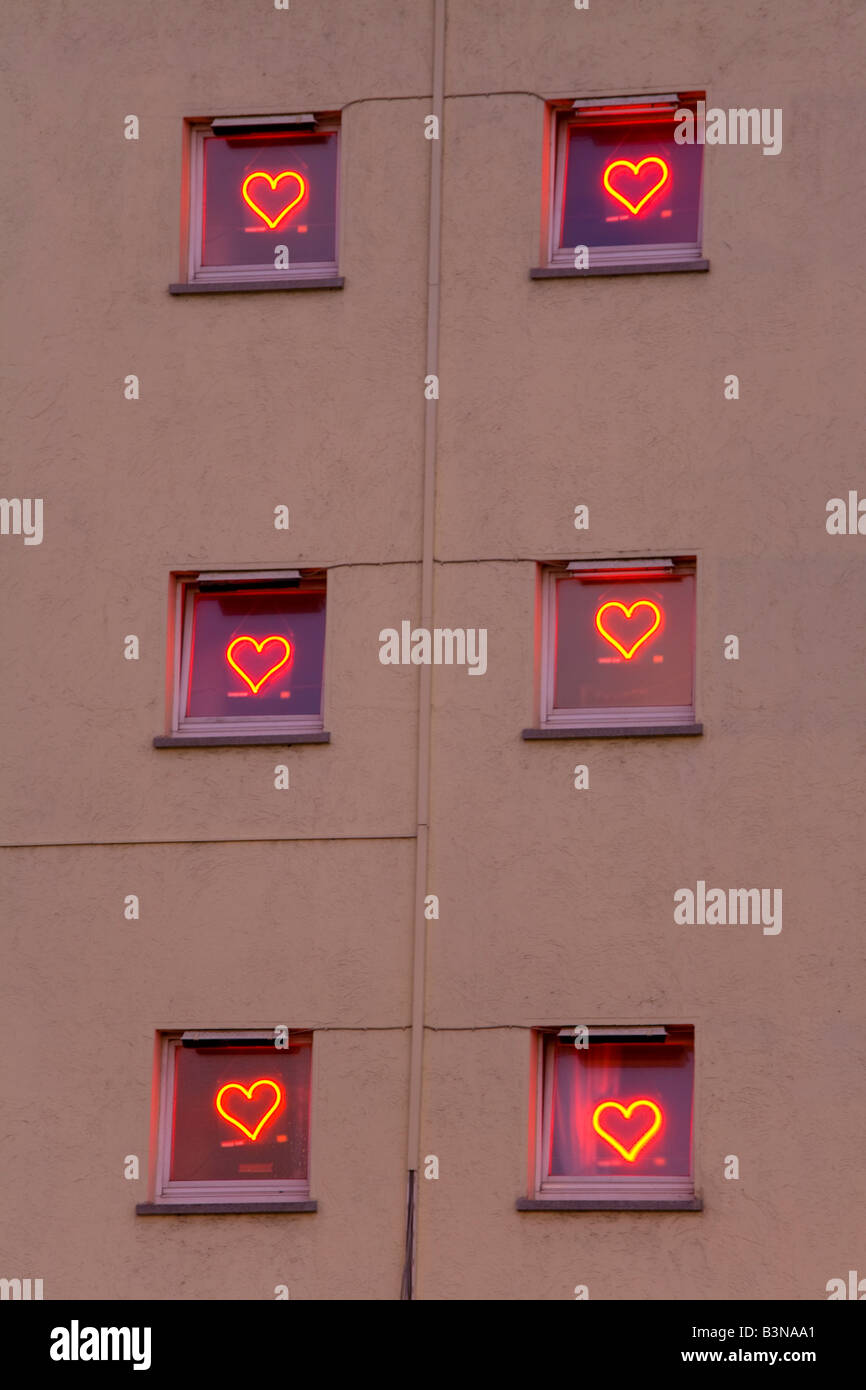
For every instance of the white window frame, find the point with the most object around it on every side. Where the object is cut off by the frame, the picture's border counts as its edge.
(240, 1189)
(563, 118)
(601, 716)
(187, 586)
(615, 1189)
(200, 131)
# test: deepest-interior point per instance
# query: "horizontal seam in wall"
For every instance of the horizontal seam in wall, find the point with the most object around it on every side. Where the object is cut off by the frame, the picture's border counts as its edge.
(252, 840)
(468, 560)
(537, 559)
(428, 1027)
(447, 96)
(407, 1027)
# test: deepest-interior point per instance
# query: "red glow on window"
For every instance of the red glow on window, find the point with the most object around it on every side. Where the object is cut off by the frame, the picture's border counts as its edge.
(651, 1126)
(255, 684)
(635, 169)
(247, 1091)
(654, 618)
(273, 181)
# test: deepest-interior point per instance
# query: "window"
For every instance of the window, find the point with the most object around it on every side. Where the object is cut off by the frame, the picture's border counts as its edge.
(615, 1123)
(618, 644)
(623, 187)
(250, 654)
(263, 200)
(234, 1118)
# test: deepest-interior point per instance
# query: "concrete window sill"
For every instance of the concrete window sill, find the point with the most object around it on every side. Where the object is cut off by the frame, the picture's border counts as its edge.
(327, 282)
(219, 1208)
(237, 740)
(564, 272)
(577, 1204)
(618, 731)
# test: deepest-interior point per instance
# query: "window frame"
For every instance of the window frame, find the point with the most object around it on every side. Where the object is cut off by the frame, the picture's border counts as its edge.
(563, 117)
(600, 1189)
(198, 132)
(183, 726)
(609, 716)
(246, 1191)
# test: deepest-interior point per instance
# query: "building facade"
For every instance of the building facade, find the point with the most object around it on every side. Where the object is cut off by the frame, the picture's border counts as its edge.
(433, 652)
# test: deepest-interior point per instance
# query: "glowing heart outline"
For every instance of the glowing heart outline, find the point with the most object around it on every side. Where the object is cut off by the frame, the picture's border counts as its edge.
(255, 686)
(260, 174)
(638, 603)
(628, 1154)
(628, 612)
(636, 168)
(248, 1092)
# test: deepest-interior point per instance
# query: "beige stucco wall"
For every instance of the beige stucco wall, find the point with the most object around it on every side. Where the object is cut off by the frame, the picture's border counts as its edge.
(230, 936)
(260, 907)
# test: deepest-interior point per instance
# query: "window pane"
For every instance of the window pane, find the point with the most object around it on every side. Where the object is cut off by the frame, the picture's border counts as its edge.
(262, 192)
(628, 212)
(624, 642)
(256, 652)
(647, 1129)
(226, 1126)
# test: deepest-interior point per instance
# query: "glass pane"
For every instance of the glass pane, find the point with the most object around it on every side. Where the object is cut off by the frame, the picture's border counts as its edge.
(241, 1113)
(608, 203)
(262, 192)
(624, 642)
(256, 652)
(622, 1110)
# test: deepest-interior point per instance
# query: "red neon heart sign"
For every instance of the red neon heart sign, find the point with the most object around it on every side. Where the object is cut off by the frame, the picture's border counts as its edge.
(277, 179)
(248, 1091)
(655, 621)
(254, 684)
(635, 170)
(651, 1126)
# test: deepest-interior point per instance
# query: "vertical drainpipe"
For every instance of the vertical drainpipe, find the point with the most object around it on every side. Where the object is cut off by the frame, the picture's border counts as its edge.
(422, 827)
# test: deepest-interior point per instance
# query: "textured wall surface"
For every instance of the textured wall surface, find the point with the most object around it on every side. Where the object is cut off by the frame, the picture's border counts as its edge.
(260, 907)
